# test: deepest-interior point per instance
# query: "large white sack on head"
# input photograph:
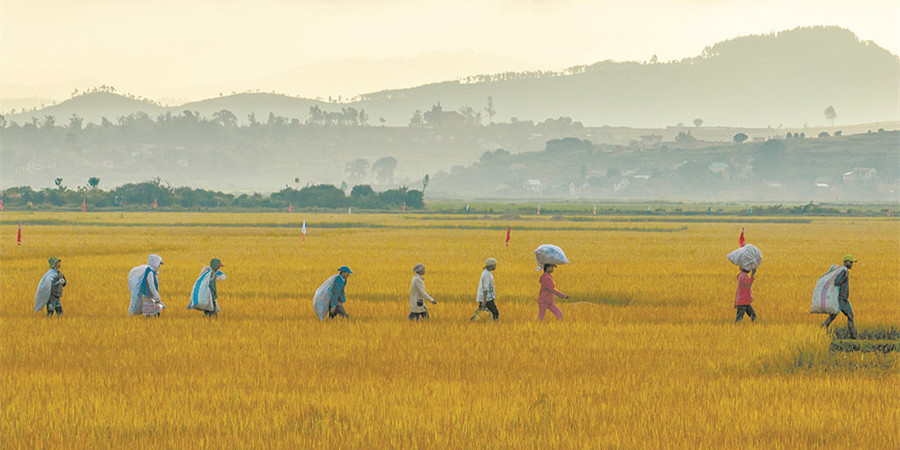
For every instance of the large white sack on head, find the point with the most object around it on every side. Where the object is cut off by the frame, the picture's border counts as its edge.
(322, 299)
(747, 257)
(42, 296)
(135, 276)
(825, 295)
(549, 254)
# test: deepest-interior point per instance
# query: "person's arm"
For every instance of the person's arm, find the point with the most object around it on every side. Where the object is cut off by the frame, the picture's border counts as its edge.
(60, 279)
(337, 291)
(489, 294)
(547, 283)
(151, 286)
(420, 286)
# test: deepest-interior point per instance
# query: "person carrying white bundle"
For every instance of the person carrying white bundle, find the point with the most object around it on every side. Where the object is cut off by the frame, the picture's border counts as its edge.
(205, 294)
(841, 282)
(143, 282)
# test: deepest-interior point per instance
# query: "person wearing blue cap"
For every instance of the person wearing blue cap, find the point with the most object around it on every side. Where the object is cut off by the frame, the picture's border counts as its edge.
(337, 294)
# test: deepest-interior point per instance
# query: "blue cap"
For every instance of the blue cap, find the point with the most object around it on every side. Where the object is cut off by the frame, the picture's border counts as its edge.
(345, 269)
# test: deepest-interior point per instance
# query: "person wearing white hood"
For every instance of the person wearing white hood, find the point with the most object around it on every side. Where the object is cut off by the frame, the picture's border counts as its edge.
(151, 304)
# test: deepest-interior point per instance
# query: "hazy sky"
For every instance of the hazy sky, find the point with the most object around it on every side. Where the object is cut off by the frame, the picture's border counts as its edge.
(162, 43)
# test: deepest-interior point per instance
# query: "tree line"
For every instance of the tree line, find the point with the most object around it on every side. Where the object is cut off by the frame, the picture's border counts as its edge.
(158, 194)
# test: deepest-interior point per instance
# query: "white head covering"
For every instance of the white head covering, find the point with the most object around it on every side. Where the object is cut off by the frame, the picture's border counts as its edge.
(154, 261)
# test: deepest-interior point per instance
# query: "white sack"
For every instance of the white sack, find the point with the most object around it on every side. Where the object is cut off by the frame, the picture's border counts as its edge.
(322, 299)
(825, 295)
(549, 254)
(201, 296)
(747, 257)
(42, 296)
(135, 276)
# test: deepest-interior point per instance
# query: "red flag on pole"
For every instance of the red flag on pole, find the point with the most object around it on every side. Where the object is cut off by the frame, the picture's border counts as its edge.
(741, 239)
(154, 203)
(290, 207)
(83, 205)
(1, 205)
(404, 206)
(508, 229)
(19, 238)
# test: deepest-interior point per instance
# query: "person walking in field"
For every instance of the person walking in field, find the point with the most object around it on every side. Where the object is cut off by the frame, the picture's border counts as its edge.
(205, 294)
(744, 296)
(547, 293)
(417, 295)
(486, 296)
(148, 289)
(337, 294)
(842, 282)
(50, 289)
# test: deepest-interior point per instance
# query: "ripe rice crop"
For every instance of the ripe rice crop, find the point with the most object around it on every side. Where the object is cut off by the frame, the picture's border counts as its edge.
(646, 356)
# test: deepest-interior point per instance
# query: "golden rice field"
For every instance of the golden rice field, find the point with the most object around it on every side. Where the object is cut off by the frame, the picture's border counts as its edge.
(647, 355)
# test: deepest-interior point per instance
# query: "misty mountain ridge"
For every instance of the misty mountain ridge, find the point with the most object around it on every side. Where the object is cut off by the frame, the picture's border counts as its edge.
(764, 80)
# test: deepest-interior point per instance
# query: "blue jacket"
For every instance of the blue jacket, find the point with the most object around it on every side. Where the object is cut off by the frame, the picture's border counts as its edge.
(337, 291)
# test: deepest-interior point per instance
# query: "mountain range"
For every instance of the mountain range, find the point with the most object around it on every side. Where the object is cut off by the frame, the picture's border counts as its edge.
(787, 78)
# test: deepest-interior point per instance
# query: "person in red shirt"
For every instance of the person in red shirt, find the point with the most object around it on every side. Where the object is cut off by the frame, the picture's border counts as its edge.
(545, 297)
(744, 295)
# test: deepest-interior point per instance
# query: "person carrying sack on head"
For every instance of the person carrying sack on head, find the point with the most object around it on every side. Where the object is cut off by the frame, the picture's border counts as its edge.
(744, 295)
(548, 290)
(842, 282)
(417, 295)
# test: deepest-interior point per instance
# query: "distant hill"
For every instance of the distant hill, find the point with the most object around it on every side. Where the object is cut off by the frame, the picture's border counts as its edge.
(92, 107)
(784, 78)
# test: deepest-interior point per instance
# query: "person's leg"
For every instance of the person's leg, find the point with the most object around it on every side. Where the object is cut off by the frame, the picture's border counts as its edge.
(542, 309)
(555, 310)
(828, 321)
(412, 316)
(492, 307)
(751, 312)
(341, 312)
(848, 311)
(740, 313)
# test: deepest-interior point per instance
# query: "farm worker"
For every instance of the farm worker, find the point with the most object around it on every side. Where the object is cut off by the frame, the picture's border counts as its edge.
(485, 295)
(50, 289)
(337, 294)
(548, 290)
(417, 295)
(744, 295)
(842, 282)
(204, 294)
(214, 265)
(151, 304)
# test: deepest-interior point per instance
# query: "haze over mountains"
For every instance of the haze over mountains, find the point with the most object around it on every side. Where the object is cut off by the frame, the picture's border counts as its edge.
(657, 124)
(784, 78)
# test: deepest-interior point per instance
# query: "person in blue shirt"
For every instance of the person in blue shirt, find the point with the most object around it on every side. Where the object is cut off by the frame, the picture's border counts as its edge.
(337, 294)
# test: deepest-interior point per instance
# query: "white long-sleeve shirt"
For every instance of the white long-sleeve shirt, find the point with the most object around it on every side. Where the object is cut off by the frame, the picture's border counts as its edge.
(151, 286)
(417, 293)
(485, 287)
